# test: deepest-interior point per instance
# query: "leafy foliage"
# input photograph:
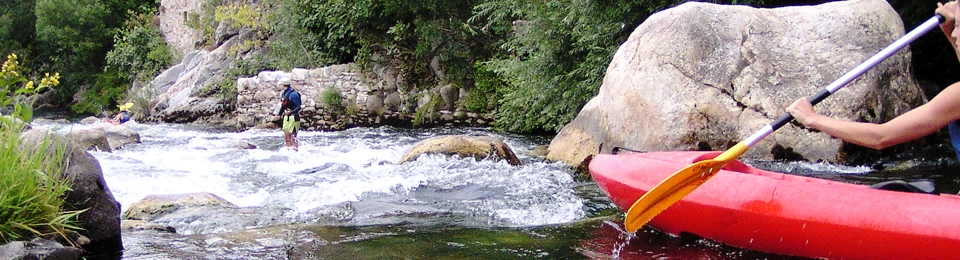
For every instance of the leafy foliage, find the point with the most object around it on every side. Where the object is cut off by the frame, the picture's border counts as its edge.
(331, 98)
(16, 22)
(204, 22)
(139, 54)
(532, 63)
(139, 51)
(104, 94)
(73, 42)
(430, 43)
(76, 42)
(557, 55)
(13, 84)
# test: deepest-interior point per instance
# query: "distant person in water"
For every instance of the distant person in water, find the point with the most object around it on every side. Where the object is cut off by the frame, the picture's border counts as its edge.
(941, 111)
(290, 113)
(124, 114)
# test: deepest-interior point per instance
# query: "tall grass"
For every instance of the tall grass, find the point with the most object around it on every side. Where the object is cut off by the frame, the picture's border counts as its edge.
(31, 187)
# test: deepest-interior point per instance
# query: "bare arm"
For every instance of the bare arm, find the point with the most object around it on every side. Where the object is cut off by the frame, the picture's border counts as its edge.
(916, 123)
(921, 121)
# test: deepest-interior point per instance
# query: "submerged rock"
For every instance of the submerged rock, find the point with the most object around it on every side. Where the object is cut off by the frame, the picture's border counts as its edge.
(154, 206)
(479, 147)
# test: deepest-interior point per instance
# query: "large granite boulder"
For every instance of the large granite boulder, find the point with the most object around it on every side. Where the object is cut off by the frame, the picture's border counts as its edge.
(703, 76)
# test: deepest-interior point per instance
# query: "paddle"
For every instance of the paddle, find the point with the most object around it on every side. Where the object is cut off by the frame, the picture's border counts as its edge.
(681, 183)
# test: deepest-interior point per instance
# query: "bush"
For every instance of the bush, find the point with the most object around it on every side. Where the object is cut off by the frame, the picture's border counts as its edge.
(104, 95)
(557, 53)
(139, 51)
(331, 98)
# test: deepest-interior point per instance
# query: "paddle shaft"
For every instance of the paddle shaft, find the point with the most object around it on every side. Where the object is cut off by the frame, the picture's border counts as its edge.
(850, 76)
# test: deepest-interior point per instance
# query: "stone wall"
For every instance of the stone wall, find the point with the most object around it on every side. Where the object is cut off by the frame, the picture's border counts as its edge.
(172, 18)
(366, 100)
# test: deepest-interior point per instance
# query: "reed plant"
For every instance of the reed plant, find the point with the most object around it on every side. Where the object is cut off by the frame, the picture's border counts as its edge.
(32, 187)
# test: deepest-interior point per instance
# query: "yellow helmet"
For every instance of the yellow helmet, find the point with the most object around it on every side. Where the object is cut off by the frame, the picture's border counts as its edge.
(126, 106)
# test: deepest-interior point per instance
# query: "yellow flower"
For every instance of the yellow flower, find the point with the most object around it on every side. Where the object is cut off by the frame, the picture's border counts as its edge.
(29, 85)
(10, 66)
(48, 80)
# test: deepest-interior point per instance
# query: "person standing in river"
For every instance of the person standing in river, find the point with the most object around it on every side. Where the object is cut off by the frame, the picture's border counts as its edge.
(942, 110)
(290, 112)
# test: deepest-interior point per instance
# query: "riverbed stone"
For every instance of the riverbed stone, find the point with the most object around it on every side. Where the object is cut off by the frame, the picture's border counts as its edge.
(90, 120)
(479, 147)
(120, 135)
(713, 78)
(157, 205)
(89, 191)
(39, 249)
(131, 224)
(91, 139)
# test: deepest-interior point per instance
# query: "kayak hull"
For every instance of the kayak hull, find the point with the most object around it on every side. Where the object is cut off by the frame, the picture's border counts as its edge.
(787, 214)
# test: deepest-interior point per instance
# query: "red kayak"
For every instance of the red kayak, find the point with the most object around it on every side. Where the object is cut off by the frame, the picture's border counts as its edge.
(786, 214)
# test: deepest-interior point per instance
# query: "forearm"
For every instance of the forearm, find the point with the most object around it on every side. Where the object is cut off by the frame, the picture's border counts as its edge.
(863, 134)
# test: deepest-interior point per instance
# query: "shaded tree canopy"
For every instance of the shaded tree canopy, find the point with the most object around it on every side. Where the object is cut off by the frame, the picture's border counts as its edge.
(533, 63)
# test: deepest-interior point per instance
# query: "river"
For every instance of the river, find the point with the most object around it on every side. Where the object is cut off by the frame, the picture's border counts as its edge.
(342, 196)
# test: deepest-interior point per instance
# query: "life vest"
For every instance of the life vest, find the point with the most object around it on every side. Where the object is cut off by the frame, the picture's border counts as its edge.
(954, 128)
(290, 100)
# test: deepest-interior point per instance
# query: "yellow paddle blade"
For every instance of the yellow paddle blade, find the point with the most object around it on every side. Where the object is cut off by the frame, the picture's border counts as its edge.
(675, 187)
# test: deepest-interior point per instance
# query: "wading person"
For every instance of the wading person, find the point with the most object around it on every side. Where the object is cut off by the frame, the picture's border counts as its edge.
(942, 110)
(290, 114)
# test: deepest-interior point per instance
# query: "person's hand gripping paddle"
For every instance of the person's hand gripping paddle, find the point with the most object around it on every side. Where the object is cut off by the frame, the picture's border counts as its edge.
(681, 183)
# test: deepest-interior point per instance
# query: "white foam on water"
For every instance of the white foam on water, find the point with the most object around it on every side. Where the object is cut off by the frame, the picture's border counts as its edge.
(133, 176)
(332, 168)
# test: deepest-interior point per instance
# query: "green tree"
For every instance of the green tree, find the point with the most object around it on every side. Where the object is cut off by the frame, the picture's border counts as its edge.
(139, 51)
(405, 33)
(76, 42)
(139, 54)
(16, 26)
(557, 54)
